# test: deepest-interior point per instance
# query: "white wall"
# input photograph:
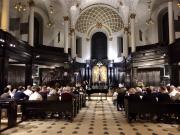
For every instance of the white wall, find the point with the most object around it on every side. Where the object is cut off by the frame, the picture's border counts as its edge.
(112, 51)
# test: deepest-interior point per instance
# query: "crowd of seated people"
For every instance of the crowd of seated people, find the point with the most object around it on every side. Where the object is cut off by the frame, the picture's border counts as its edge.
(146, 94)
(41, 93)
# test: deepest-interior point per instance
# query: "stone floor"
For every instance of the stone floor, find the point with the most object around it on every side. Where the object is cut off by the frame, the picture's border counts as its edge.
(98, 118)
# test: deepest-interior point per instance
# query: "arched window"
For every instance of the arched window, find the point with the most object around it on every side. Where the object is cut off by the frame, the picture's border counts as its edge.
(99, 46)
(163, 27)
(38, 29)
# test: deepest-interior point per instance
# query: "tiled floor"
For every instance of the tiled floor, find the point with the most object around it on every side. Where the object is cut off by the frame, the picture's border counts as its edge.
(95, 119)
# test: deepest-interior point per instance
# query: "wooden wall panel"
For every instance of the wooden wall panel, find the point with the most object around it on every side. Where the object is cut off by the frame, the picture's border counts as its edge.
(16, 75)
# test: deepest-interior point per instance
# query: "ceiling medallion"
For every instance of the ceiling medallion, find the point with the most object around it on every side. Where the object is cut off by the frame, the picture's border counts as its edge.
(99, 25)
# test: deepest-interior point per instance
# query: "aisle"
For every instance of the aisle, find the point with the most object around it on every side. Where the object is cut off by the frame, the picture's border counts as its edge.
(96, 119)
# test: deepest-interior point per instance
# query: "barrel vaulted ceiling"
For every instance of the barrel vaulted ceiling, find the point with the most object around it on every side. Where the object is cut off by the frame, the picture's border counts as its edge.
(99, 15)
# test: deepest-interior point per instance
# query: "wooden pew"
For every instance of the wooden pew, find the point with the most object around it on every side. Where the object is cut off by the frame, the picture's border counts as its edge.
(47, 106)
(11, 107)
(140, 107)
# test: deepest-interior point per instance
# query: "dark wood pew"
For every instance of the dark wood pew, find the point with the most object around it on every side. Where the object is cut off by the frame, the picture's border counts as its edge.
(11, 107)
(29, 107)
(83, 100)
(157, 108)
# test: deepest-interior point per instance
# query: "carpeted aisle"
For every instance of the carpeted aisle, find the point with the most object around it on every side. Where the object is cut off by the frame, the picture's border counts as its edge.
(96, 119)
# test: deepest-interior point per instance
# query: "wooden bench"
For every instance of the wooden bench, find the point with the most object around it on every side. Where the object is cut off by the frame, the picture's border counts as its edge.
(140, 107)
(11, 107)
(29, 107)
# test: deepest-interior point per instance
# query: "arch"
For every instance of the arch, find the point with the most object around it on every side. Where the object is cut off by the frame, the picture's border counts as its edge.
(38, 29)
(99, 46)
(104, 29)
(99, 14)
(163, 31)
(42, 14)
(155, 14)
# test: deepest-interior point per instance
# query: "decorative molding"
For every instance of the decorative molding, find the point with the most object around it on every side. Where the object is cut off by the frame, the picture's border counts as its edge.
(132, 16)
(31, 3)
(66, 18)
(99, 25)
(104, 28)
(72, 30)
(126, 29)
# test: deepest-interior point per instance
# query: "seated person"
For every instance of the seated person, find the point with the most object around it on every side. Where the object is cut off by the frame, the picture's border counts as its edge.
(132, 97)
(163, 95)
(67, 95)
(172, 92)
(28, 91)
(19, 95)
(76, 90)
(6, 94)
(36, 95)
(53, 95)
(149, 96)
(44, 92)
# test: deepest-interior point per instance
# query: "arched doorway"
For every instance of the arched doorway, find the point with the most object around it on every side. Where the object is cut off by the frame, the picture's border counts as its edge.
(38, 29)
(163, 27)
(99, 46)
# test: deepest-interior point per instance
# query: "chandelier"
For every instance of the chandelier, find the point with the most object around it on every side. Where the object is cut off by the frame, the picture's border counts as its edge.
(20, 6)
(51, 9)
(178, 3)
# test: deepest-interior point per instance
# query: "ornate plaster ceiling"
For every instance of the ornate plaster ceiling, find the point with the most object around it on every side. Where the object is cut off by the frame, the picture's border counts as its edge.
(102, 15)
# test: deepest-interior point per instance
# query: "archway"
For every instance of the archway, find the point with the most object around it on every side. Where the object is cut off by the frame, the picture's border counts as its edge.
(38, 29)
(99, 46)
(163, 26)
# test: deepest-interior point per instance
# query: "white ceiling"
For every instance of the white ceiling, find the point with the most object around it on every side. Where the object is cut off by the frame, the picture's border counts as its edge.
(62, 8)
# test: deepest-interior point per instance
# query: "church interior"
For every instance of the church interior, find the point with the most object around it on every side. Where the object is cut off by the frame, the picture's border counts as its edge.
(90, 67)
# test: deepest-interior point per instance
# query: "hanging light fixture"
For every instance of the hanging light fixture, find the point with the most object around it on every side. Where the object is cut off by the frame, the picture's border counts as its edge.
(20, 6)
(51, 9)
(178, 3)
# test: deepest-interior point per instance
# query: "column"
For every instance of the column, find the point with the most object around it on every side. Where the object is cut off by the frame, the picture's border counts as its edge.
(28, 74)
(5, 15)
(133, 42)
(66, 33)
(125, 44)
(171, 22)
(73, 43)
(31, 23)
(134, 76)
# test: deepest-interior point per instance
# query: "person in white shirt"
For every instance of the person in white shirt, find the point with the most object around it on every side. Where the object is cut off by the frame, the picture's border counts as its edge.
(172, 92)
(28, 91)
(36, 95)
